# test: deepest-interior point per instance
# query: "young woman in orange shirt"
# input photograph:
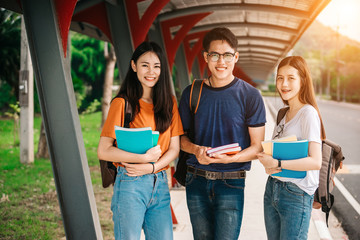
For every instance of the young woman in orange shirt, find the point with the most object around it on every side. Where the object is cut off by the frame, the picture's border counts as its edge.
(141, 198)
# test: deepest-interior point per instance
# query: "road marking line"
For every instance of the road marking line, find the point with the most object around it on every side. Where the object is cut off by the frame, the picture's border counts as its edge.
(343, 170)
(347, 195)
(350, 168)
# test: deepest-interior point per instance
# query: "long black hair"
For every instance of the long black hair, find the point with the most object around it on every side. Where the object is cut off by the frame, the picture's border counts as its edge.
(132, 89)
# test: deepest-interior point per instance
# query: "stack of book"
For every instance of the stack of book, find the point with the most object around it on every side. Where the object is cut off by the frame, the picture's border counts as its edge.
(224, 149)
(136, 140)
(285, 149)
(268, 145)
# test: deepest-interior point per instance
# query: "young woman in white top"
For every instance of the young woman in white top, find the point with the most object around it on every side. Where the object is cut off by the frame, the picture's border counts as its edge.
(288, 201)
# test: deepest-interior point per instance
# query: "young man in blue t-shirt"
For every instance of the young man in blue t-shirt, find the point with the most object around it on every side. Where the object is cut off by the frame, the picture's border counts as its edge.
(230, 111)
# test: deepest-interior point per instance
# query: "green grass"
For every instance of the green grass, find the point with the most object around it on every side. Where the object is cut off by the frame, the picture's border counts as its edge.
(28, 202)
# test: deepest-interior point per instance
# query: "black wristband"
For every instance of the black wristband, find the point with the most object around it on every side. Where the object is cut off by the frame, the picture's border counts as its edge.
(279, 164)
(153, 165)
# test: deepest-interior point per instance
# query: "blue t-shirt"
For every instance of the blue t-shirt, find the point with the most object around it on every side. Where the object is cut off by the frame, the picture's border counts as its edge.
(223, 117)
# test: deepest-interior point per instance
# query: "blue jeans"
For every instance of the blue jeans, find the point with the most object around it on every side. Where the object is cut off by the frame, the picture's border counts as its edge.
(287, 210)
(215, 206)
(141, 202)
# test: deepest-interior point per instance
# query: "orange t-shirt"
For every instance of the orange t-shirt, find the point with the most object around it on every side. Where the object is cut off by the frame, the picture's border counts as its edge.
(145, 118)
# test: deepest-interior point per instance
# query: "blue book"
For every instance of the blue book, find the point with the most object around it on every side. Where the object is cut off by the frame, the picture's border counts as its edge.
(155, 137)
(136, 140)
(290, 151)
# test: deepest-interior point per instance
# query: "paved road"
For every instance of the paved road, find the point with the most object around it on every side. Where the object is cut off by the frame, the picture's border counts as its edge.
(342, 125)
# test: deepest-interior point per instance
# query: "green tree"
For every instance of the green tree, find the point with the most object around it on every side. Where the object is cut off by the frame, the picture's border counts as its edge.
(87, 68)
(109, 54)
(10, 34)
(350, 55)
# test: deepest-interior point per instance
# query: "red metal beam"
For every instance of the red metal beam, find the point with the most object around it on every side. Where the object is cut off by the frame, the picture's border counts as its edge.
(64, 11)
(238, 72)
(191, 52)
(173, 43)
(139, 27)
(96, 16)
(202, 63)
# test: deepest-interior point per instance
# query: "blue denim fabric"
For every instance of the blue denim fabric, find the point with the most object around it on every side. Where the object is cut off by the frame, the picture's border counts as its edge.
(141, 202)
(215, 206)
(287, 210)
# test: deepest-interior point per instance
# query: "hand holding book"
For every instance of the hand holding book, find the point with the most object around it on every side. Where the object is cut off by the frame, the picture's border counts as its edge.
(285, 149)
(153, 154)
(136, 140)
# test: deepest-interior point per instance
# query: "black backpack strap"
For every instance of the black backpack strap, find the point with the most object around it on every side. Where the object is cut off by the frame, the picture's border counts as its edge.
(127, 117)
(281, 114)
(181, 166)
(127, 112)
(195, 94)
(326, 206)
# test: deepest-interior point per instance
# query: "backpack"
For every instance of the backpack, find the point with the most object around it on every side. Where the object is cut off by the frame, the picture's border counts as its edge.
(108, 170)
(332, 159)
(181, 166)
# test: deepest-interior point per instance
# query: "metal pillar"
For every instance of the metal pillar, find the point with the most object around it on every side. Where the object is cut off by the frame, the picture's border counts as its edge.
(196, 69)
(26, 97)
(120, 34)
(61, 121)
(182, 76)
(155, 35)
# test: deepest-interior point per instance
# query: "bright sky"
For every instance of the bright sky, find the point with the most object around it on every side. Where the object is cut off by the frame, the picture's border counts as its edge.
(345, 14)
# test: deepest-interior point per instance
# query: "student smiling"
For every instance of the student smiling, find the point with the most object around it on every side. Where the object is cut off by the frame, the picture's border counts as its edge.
(230, 111)
(288, 201)
(141, 198)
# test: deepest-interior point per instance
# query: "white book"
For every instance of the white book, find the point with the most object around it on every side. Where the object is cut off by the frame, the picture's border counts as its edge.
(223, 148)
(229, 151)
(132, 129)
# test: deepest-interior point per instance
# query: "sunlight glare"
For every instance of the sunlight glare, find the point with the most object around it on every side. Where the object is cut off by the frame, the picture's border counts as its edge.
(342, 14)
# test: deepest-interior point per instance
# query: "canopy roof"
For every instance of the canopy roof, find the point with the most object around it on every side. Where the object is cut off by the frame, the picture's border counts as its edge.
(266, 29)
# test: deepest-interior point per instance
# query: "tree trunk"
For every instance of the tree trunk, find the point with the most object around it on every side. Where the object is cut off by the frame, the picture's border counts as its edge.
(43, 151)
(16, 128)
(108, 82)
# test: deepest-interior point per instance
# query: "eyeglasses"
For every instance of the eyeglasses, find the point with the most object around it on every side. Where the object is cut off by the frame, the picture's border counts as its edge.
(214, 56)
(279, 130)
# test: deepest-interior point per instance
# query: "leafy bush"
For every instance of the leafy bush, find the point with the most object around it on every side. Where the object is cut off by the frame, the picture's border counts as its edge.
(87, 69)
(272, 88)
(7, 96)
(14, 114)
(93, 107)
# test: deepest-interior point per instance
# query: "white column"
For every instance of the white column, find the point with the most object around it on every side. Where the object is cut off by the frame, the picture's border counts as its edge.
(26, 98)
